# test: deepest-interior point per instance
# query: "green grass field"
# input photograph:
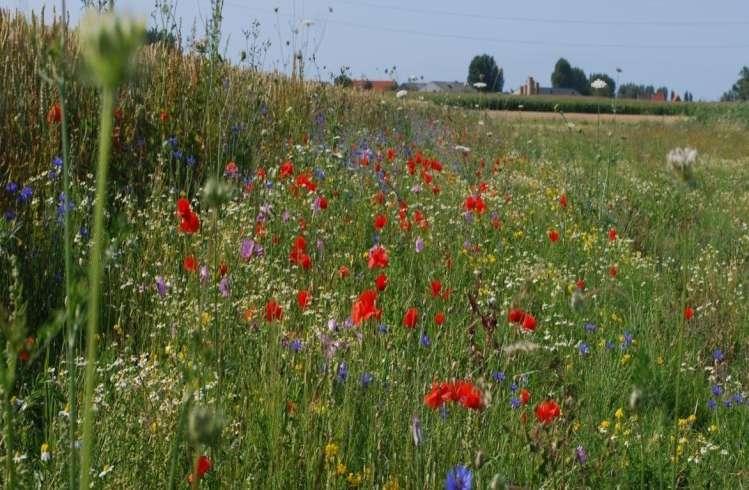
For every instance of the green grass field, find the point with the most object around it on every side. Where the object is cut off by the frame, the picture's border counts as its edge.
(308, 287)
(702, 111)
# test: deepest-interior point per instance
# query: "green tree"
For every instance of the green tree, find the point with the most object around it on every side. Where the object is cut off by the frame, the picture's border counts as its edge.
(483, 69)
(562, 77)
(607, 91)
(343, 79)
(740, 89)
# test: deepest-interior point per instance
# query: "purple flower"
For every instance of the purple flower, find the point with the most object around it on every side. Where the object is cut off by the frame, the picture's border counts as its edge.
(498, 376)
(590, 327)
(203, 273)
(332, 325)
(9, 215)
(11, 187)
(581, 455)
(161, 286)
(342, 372)
(382, 328)
(416, 430)
(419, 245)
(248, 249)
(712, 404)
(425, 342)
(718, 355)
(223, 286)
(459, 478)
(25, 194)
(584, 349)
(515, 402)
(366, 379)
(295, 345)
(717, 390)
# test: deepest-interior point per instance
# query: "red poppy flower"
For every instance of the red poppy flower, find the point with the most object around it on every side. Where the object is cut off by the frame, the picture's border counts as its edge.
(183, 207)
(202, 466)
(322, 202)
(381, 282)
(231, 168)
(529, 322)
(190, 223)
(303, 299)
(580, 284)
(343, 272)
(190, 263)
(380, 222)
(437, 396)
(515, 315)
(273, 311)
(439, 318)
(553, 235)
(298, 254)
(547, 411)
(613, 271)
(469, 395)
(475, 204)
(436, 287)
(378, 257)
(688, 313)
(286, 169)
(390, 154)
(305, 180)
(524, 396)
(223, 269)
(164, 116)
(54, 115)
(563, 200)
(365, 307)
(411, 317)
(612, 234)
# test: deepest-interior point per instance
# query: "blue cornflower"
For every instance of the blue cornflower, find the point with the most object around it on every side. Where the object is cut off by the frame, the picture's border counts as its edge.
(64, 205)
(718, 355)
(25, 194)
(382, 328)
(177, 154)
(590, 327)
(459, 478)
(498, 376)
(342, 372)
(11, 187)
(717, 390)
(712, 404)
(190, 161)
(738, 398)
(366, 379)
(609, 344)
(443, 411)
(425, 342)
(9, 215)
(83, 231)
(514, 387)
(296, 345)
(319, 174)
(515, 402)
(584, 349)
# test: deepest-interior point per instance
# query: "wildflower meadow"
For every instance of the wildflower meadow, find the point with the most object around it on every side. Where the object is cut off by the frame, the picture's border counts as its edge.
(218, 277)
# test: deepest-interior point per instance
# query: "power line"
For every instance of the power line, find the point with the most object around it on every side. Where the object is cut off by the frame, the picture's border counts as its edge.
(509, 41)
(673, 23)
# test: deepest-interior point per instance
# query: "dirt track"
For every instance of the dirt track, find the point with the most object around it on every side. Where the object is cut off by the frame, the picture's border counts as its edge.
(578, 117)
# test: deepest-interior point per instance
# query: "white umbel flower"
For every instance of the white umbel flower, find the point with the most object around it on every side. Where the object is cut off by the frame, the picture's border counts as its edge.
(598, 84)
(401, 93)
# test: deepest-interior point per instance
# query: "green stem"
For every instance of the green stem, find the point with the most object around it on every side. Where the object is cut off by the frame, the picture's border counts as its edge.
(94, 280)
(9, 379)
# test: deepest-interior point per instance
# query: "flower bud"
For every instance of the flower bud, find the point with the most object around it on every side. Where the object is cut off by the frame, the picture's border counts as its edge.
(108, 43)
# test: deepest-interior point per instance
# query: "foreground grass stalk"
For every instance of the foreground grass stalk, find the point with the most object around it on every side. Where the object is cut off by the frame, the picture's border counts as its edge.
(8, 381)
(94, 280)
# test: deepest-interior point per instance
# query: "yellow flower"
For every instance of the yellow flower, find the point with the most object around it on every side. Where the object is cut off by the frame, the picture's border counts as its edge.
(205, 318)
(603, 427)
(713, 428)
(625, 359)
(392, 484)
(354, 479)
(619, 413)
(331, 451)
(340, 469)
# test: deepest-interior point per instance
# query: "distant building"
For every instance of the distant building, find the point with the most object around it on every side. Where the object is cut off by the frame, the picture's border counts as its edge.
(374, 85)
(532, 87)
(438, 87)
